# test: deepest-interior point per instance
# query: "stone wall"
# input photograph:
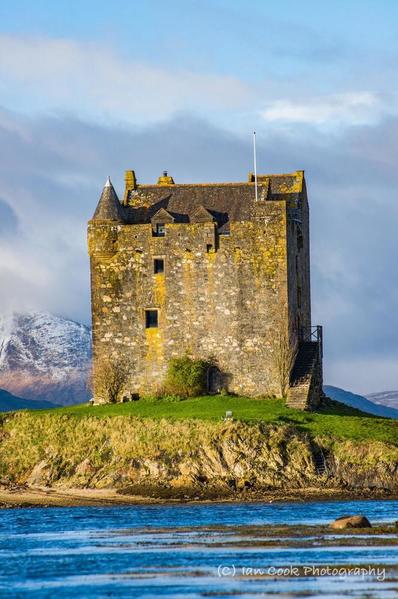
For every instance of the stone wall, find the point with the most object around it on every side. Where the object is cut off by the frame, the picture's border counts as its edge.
(298, 244)
(221, 297)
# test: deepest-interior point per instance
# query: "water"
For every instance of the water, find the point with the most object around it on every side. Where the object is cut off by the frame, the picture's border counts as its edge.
(187, 551)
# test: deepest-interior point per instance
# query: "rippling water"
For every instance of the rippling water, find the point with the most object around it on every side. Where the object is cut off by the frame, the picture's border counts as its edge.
(185, 551)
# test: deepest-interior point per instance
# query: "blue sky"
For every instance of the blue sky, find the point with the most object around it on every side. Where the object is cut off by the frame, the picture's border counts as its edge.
(90, 88)
(338, 55)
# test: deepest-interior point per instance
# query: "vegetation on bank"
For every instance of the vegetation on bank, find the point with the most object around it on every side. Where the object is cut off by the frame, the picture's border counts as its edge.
(179, 448)
(333, 420)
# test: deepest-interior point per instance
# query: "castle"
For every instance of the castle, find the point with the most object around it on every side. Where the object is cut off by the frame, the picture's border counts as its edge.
(219, 271)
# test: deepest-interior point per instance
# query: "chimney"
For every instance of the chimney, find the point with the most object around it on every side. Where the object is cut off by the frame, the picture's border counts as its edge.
(131, 185)
(165, 179)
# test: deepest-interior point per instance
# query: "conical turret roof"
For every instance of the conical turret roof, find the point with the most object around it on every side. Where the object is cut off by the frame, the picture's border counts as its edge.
(109, 206)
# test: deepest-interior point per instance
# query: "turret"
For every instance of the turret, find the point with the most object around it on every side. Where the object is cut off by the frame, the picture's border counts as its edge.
(109, 207)
(103, 227)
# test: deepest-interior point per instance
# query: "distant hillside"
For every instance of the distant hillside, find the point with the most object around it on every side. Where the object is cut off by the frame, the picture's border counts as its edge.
(359, 402)
(43, 356)
(9, 402)
(385, 398)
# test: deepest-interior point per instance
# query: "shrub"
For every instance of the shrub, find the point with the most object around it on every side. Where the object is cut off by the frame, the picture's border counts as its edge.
(186, 377)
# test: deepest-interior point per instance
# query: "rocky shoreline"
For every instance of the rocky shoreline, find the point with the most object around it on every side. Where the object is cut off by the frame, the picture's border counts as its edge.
(24, 496)
(133, 460)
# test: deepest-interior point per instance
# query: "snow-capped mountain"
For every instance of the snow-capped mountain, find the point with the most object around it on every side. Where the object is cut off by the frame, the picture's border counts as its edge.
(43, 356)
(385, 398)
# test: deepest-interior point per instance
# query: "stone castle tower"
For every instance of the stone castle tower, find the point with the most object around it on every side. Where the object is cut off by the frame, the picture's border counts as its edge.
(208, 270)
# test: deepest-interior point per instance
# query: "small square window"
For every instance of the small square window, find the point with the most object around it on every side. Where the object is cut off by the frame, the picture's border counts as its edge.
(158, 266)
(160, 230)
(209, 248)
(151, 319)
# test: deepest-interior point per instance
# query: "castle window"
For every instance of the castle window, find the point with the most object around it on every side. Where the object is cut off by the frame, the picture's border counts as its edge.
(160, 230)
(151, 319)
(158, 266)
(209, 248)
(300, 240)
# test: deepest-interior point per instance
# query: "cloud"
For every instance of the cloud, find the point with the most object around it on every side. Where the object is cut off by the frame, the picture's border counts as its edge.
(53, 169)
(92, 80)
(8, 220)
(99, 83)
(354, 108)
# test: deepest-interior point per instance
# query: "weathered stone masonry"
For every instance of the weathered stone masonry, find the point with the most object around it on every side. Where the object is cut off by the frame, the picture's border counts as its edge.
(223, 275)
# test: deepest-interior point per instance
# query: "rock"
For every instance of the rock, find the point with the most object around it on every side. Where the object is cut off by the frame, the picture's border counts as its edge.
(351, 522)
(40, 475)
(84, 468)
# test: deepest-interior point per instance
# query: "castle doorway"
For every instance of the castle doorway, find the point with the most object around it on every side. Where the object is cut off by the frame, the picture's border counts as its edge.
(214, 380)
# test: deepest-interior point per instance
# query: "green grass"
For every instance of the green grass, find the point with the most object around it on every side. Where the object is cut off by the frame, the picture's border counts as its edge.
(334, 419)
(152, 440)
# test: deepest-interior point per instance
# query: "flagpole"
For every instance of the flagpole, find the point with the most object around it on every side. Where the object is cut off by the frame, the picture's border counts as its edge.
(255, 165)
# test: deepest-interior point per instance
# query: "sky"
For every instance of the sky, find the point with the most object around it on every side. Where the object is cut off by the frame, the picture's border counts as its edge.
(90, 89)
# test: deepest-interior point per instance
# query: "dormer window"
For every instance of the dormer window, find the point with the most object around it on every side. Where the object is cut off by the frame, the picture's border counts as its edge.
(159, 222)
(160, 230)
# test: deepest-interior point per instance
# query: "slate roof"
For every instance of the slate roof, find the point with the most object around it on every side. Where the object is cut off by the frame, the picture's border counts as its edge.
(224, 201)
(109, 207)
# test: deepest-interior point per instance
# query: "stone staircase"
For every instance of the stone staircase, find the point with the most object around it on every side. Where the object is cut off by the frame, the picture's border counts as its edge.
(305, 390)
(320, 462)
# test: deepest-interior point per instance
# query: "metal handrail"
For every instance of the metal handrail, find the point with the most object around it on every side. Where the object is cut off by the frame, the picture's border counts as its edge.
(313, 334)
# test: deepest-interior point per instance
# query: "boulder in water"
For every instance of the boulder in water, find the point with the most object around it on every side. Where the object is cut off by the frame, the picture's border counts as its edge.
(351, 522)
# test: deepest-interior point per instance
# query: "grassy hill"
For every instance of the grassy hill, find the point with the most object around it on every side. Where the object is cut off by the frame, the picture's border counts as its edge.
(335, 419)
(163, 448)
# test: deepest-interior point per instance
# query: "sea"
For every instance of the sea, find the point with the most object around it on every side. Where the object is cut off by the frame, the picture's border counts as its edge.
(218, 550)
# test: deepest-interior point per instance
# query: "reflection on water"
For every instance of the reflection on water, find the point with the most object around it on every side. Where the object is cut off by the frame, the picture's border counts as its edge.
(187, 551)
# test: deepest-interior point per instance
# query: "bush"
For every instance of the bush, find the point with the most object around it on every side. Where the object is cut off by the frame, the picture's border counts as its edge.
(109, 379)
(186, 377)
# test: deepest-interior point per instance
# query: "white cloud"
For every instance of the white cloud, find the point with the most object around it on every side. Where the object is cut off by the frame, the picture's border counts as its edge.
(347, 109)
(94, 81)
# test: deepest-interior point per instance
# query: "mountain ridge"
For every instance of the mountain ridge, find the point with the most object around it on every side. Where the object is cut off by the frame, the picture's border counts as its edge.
(44, 357)
(384, 398)
(359, 402)
(10, 403)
